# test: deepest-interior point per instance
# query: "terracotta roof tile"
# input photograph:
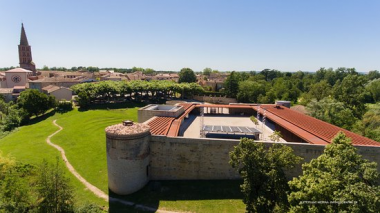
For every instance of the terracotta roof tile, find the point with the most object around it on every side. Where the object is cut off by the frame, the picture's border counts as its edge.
(18, 70)
(185, 105)
(174, 128)
(160, 125)
(318, 128)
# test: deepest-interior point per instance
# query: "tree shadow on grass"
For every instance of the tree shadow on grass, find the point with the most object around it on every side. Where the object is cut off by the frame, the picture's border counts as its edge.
(40, 118)
(63, 111)
(156, 191)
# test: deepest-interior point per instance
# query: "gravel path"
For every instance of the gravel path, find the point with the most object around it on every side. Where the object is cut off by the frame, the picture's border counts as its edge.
(99, 193)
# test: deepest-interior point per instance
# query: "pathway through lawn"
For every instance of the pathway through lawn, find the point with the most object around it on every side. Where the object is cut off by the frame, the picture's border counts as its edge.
(99, 193)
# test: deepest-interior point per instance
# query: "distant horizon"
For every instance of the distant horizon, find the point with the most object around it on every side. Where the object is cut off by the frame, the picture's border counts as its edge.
(105, 68)
(169, 35)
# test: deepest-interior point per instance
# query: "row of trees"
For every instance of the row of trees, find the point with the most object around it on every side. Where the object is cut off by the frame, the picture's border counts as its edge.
(120, 91)
(73, 69)
(339, 180)
(42, 188)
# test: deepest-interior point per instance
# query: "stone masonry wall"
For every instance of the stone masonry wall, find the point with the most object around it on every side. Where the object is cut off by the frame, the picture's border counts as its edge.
(201, 158)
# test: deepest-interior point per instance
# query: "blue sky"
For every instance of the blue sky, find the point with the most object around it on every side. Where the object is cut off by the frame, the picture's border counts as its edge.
(287, 35)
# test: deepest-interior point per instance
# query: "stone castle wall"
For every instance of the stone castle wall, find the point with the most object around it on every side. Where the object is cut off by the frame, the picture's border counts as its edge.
(190, 159)
(127, 160)
(202, 159)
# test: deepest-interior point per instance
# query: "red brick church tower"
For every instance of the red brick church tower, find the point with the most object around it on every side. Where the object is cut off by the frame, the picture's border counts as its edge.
(25, 53)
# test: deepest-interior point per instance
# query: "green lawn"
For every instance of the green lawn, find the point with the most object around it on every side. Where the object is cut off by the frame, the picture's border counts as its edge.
(189, 196)
(83, 139)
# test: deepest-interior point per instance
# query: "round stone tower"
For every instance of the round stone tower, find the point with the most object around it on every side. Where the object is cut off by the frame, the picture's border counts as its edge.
(127, 157)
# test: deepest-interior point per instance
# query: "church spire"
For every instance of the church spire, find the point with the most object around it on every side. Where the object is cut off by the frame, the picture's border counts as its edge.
(25, 53)
(23, 39)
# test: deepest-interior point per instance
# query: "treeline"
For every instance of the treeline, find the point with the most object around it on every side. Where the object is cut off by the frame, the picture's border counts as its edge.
(342, 97)
(137, 91)
(147, 71)
(42, 188)
(299, 87)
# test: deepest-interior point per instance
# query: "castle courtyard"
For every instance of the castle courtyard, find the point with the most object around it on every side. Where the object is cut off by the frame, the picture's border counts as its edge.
(191, 125)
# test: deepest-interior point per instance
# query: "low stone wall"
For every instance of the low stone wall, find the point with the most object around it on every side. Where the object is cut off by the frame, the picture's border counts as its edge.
(215, 100)
(202, 158)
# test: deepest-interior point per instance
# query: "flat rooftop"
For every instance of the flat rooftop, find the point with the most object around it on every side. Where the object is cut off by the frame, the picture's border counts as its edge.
(192, 125)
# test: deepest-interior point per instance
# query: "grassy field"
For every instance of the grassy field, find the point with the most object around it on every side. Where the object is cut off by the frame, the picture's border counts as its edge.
(83, 139)
(188, 196)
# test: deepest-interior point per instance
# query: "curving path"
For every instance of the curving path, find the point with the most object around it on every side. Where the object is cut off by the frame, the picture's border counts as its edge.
(99, 193)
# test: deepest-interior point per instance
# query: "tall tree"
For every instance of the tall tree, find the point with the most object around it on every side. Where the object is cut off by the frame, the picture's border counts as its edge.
(374, 88)
(339, 177)
(371, 122)
(54, 189)
(231, 84)
(332, 111)
(320, 90)
(15, 193)
(249, 91)
(265, 186)
(373, 74)
(187, 75)
(207, 71)
(149, 71)
(352, 92)
(270, 74)
(35, 102)
(137, 69)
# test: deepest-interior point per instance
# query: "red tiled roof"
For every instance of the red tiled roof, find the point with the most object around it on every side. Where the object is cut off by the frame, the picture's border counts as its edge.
(312, 127)
(174, 128)
(18, 70)
(168, 125)
(300, 109)
(160, 125)
(185, 105)
(310, 138)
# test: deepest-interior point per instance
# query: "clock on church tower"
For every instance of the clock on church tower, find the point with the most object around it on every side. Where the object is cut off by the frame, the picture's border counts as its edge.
(16, 78)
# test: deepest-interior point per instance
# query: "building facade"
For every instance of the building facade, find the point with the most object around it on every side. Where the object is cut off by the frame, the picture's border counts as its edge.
(156, 150)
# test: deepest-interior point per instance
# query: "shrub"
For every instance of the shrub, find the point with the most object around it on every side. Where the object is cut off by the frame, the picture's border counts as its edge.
(65, 105)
